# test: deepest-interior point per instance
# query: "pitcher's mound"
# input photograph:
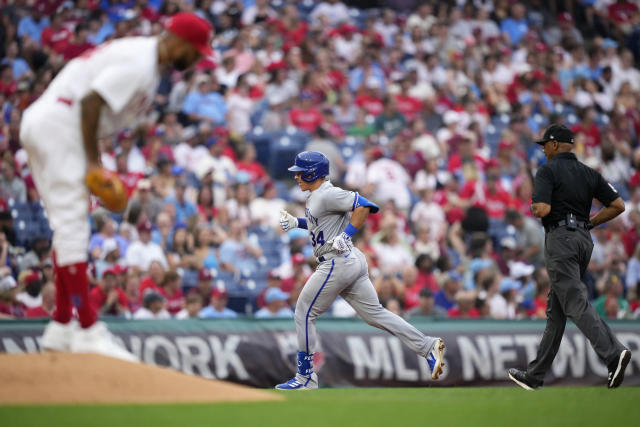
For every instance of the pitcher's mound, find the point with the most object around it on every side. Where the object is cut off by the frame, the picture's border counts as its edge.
(87, 378)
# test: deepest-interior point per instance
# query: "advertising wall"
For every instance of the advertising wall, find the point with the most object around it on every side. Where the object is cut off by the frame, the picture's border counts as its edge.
(261, 353)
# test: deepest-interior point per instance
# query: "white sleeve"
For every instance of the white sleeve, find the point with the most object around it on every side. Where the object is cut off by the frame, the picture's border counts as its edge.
(117, 84)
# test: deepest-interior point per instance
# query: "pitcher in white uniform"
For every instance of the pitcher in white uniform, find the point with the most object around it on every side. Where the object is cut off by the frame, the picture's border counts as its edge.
(342, 270)
(94, 96)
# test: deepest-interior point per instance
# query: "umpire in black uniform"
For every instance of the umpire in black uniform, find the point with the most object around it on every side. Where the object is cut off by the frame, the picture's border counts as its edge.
(563, 191)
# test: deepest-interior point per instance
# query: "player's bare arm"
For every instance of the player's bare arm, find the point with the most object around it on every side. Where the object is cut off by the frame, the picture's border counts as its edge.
(540, 210)
(90, 107)
(609, 212)
(359, 216)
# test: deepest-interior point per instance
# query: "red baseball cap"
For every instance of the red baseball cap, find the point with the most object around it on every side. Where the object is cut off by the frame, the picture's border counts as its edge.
(204, 274)
(193, 29)
(110, 270)
(565, 17)
(33, 277)
(145, 226)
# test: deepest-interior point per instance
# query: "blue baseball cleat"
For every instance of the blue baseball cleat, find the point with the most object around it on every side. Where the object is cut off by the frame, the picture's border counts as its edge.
(435, 359)
(300, 382)
(305, 379)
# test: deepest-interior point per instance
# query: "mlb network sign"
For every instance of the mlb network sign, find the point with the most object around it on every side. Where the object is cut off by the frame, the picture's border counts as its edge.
(263, 358)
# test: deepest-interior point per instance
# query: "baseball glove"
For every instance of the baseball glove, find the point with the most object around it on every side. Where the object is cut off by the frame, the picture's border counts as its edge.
(107, 186)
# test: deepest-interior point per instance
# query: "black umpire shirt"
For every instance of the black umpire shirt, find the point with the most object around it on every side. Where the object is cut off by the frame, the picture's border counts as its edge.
(570, 186)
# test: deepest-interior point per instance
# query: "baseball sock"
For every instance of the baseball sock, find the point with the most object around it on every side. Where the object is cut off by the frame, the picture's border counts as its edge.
(75, 277)
(62, 313)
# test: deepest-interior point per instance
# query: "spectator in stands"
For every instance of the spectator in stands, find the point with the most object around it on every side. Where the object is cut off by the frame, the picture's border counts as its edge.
(465, 307)
(388, 286)
(204, 286)
(276, 305)
(426, 306)
(185, 210)
(107, 298)
(31, 295)
(542, 290)
(389, 181)
(510, 289)
(428, 212)
(143, 252)
(192, 308)
(152, 280)
(205, 239)
(40, 251)
(265, 210)
(136, 162)
(48, 305)
(391, 122)
(106, 230)
(239, 253)
(217, 308)
(143, 202)
(305, 115)
(11, 186)
(170, 287)
(238, 207)
(131, 288)
(530, 236)
(32, 24)
(633, 270)
(181, 250)
(392, 252)
(153, 307)
(445, 297)
(19, 66)
(612, 302)
(240, 106)
(204, 102)
(78, 43)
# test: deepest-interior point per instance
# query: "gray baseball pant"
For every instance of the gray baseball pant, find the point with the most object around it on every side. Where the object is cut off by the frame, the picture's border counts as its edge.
(349, 277)
(567, 256)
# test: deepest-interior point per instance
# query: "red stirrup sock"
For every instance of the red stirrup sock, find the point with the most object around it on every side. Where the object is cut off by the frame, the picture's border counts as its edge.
(62, 313)
(75, 278)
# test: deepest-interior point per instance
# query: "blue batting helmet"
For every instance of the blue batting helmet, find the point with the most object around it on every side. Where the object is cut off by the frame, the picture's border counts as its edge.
(312, 164)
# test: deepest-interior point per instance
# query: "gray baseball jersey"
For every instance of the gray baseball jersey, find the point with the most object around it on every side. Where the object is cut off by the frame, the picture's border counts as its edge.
(346, 275)
(327, 215)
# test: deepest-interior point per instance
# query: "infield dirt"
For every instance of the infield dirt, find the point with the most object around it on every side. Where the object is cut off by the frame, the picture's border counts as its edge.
(64, 378)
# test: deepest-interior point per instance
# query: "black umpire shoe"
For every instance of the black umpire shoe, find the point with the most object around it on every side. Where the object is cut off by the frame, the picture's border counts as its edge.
(616, 369)
(524, 380)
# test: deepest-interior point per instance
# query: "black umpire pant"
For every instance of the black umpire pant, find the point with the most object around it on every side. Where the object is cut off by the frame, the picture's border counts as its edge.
(567, 254)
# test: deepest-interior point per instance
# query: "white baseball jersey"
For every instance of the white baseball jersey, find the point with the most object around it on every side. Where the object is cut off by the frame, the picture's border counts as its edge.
(124, 72)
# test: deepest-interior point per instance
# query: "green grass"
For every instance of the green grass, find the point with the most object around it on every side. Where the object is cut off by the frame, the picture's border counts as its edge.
(432, 407)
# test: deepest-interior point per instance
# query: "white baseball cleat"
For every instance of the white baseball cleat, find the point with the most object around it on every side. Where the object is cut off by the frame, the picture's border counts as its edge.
(435, 359)
(97, 339)
(57, 336)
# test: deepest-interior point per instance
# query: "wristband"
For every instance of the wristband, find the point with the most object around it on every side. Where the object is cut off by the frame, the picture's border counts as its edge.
(350, 230)
(302, 223)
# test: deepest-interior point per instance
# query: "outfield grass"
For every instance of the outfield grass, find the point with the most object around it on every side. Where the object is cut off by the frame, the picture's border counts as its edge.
(437, 407)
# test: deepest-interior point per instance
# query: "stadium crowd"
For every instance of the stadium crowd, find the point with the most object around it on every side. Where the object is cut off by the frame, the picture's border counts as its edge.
(428, 108)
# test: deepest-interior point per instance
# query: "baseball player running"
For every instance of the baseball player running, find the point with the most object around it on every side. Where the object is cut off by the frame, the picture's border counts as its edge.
(94, 96)
(342, 270)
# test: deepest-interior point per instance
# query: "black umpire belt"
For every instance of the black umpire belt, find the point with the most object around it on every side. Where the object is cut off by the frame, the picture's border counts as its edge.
(563, 223)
